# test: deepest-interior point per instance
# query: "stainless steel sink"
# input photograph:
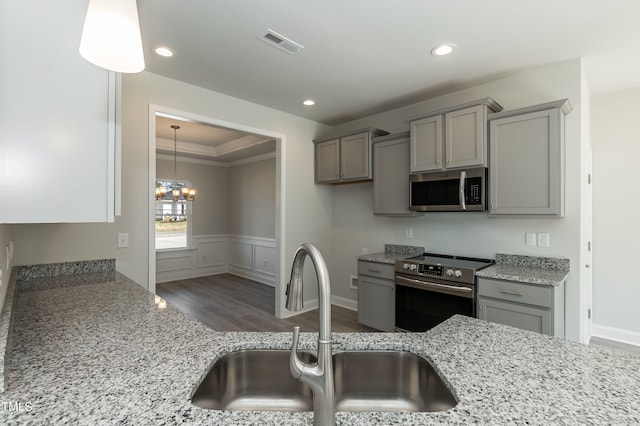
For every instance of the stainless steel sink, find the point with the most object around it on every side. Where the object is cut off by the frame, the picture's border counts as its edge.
(254, 380)
(364, 381)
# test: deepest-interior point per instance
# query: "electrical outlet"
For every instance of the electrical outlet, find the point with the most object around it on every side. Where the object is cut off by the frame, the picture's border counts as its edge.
(123, 240)
(544, 240)
(530, 239)
(353, 282)
(364, 250)
(408, 233)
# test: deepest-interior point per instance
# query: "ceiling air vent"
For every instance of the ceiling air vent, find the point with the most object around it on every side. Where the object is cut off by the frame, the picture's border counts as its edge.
(281, 42)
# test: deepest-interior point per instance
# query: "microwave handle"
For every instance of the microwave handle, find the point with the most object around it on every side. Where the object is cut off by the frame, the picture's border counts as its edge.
(463, 178)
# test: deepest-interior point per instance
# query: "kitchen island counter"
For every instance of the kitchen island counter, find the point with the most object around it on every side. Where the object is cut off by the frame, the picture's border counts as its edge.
(103, 352)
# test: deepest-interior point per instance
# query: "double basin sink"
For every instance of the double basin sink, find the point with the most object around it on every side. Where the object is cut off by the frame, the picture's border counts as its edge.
(364, 381)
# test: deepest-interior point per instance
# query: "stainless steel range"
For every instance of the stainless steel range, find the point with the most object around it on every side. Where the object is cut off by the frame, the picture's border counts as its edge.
(433, 287)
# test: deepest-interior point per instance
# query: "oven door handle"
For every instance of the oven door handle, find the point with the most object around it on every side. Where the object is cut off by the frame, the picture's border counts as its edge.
(463, 178)
(438, 288)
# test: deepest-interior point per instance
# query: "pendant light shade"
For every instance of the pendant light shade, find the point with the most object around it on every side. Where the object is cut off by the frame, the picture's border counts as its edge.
(111, 36)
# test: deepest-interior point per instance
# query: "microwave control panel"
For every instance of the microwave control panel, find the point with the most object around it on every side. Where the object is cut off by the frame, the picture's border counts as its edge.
(473, 191)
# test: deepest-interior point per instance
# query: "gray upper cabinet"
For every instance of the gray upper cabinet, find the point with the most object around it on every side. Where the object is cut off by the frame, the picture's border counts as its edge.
(328, 161)
(346, 158)
(451, 138)
(526, 173)
(426, 144)
(391, 175)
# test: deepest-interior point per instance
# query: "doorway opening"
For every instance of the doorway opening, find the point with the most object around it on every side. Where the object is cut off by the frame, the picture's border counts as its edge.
(234, 224)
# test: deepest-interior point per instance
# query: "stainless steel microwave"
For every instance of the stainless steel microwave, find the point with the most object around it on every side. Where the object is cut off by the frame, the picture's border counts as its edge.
(449, 191)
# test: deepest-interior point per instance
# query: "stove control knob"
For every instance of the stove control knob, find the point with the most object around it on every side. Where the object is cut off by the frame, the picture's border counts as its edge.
(413, 267)
(458, 273)
(406, 266)
(450, 272)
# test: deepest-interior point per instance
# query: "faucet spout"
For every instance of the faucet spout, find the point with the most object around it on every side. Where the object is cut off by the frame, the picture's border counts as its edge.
(318, 376)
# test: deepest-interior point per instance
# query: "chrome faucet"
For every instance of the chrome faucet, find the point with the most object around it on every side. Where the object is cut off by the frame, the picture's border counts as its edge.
(318, 376)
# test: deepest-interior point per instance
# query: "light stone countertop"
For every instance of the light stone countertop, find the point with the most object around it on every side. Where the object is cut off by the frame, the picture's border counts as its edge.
(546, 271)
(391, 253)
(103, 353)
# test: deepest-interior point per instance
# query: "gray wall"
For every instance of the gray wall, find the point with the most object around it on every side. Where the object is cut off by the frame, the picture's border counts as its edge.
(210, 209)
(236, 200)
(616, 149)
(252, 199)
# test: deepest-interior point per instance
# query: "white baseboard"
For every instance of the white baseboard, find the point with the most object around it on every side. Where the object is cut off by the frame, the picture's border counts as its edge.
(616, 334)
(254, 275)
(344, 302)
(163, 277)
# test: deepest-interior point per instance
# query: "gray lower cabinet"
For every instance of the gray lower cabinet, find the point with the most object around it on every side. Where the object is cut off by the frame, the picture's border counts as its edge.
(391, 175)
(526, 168)
(525, 306)
(377, 295)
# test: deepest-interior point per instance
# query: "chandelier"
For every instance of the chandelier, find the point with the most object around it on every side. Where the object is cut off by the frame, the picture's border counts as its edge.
(179, 191)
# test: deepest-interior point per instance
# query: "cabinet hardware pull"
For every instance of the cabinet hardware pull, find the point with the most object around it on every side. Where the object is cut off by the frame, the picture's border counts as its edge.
(515, 293)
(463, 178)
(375, 271)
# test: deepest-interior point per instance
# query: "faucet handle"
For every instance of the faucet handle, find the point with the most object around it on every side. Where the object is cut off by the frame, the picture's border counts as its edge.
(295, 365)
(296, 336)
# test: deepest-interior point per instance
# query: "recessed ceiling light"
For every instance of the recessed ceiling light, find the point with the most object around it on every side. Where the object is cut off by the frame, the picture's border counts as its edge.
(443, 49)
(309, 102)
(163, 51)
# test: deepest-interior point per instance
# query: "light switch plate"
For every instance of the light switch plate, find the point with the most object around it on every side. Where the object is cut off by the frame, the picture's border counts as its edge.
(544, 240)
(123, 240)
(530, 239)
(408, 233)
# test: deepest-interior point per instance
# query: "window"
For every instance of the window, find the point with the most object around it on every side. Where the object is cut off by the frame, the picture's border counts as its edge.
(173, 219)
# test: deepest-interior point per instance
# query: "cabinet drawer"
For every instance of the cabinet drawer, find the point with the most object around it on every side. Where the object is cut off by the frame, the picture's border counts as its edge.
(516, 292)
(380, 270)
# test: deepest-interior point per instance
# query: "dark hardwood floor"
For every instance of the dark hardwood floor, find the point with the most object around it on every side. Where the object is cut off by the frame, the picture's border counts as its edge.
(230, 303)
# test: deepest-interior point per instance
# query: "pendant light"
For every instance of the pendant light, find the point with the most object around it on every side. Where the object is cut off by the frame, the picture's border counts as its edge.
(111, 36)
(178, 192)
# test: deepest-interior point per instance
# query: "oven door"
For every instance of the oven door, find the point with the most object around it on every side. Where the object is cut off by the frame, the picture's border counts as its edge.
(422, 304)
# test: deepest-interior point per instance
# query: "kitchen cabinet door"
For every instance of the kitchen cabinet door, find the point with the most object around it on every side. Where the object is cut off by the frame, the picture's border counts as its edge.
(465, 137)
(328, 161)
(527, 160)
(355, 156)
(58, 142)
(519, 316)
(376, 303)
(391, 175)
(426, 144)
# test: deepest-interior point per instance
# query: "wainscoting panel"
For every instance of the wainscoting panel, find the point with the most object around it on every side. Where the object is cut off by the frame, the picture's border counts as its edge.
(260, 253)
(248, 257)
(211, 251)
(173, 261)
(240, 254)
(264, 259)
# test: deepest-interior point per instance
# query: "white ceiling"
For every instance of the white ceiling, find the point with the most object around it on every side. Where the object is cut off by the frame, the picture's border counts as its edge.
(366, 56)
(208, 142)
